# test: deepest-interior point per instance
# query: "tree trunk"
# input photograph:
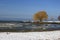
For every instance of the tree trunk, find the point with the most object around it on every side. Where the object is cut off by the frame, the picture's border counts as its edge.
(40, 22)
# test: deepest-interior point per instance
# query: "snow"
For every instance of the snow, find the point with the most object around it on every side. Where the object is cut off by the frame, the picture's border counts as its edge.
(49, 35)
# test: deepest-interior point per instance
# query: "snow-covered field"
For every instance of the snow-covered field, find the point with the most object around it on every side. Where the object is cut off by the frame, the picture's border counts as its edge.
(50, 35)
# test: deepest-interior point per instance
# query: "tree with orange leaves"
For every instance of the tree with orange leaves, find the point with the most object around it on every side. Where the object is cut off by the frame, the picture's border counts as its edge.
(41, 15)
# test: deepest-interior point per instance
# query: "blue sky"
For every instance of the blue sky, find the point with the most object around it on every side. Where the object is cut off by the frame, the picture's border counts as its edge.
(27, 8)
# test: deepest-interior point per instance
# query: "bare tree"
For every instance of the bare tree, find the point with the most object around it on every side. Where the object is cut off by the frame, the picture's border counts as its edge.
(59, 18)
